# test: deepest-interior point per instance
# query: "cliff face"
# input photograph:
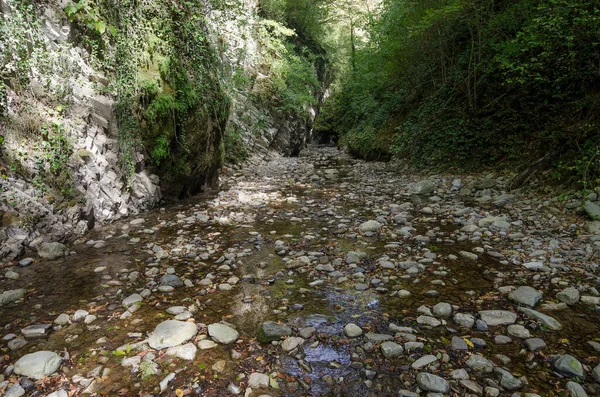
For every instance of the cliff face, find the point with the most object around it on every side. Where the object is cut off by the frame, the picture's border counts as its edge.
(107, 110)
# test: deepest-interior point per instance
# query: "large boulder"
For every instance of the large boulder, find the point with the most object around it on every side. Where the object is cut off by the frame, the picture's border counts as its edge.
(171, 333)
(423, 188)
(52, 250)
(11, 296)
(37, 365)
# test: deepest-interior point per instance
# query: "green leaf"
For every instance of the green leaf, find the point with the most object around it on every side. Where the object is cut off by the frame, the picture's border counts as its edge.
(100, 27)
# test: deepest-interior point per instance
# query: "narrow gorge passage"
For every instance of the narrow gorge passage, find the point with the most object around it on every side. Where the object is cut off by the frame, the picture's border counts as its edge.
(313, 276)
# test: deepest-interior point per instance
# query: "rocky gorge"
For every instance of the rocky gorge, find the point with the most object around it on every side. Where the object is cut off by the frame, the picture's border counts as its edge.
(317, 275)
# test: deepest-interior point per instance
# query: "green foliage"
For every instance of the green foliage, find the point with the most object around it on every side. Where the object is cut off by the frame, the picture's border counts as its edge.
(468, 83)
(293, 82)
(161, 149)
(52, 159)
(20, 43)
(87, 13)
(167, 92)
(234, 147)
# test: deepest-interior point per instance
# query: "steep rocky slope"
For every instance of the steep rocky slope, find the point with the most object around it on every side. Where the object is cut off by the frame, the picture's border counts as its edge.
(108, 109)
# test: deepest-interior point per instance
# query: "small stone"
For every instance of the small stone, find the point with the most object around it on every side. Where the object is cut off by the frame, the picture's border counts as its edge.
(424, 361)
(576, 390)
(442, 309)
(352, 330)
(569, 366)
(548, 321)
(270, 331)
(498, 317)
(459, 344)
(465, 320)
(434, 383)
(291, 343)
(307, 332)
(507, 380)
(206, 344)
(257, 380)
(526, 295)
(391, 349)
(131, 300)
(62, 319)
(535, 344)
(185, 352)
(518, 331)
(222, 333)
(570, 296)
(480, 363)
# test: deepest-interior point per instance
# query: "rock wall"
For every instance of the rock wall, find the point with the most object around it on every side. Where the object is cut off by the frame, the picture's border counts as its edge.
(61, 153)
(264, 130)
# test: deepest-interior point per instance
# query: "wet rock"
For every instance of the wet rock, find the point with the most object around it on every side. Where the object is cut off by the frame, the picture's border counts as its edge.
(576, 390)
(526, 295)
(570, 296)
(569, 366)
(469, 255)
(307, 332)
(548, 321)
(36, 330)
(442, 309)
(471, 386)
(132, 300)
(428, 321)
(502, 339)
(592, 209)
(378, 338)
(391, 349)
(498, 317)
(596, 373)
(291, 343)
(424, 361)
(37, 365)
(518, 331)
(52, 251)
(25, 262)
(535, 344)
(171, 280)
(465, 320)
(270, 331)
(16, 344)
(352, 330)
(431, 382)
(507, 380)
(480, 363)
(459, 344)
(15, 391)
(171, 333)
(222, 333)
